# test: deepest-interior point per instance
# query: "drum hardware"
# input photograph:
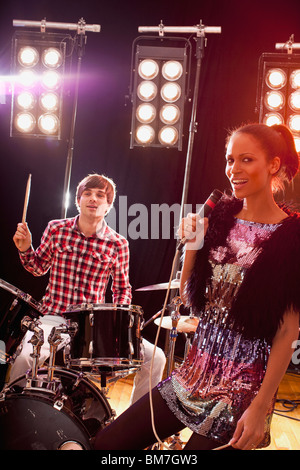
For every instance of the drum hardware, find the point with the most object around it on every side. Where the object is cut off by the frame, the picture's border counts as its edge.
(37, 341)
(130, 345)
(14, 305)
(59, 404)
(54, 340)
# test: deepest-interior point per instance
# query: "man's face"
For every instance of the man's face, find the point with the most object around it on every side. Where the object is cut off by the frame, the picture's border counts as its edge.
(93, 203)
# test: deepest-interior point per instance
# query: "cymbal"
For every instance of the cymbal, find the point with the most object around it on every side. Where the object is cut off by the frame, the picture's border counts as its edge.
(175, 284)
(185, 323)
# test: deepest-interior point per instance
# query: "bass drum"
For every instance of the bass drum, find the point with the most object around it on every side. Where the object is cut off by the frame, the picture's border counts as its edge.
(67, 417)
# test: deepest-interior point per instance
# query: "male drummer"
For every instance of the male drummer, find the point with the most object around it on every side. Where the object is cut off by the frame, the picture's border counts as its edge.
(81, 254)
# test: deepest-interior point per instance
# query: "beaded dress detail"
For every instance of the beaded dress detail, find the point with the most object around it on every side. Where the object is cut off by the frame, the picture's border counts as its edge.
(223, 371)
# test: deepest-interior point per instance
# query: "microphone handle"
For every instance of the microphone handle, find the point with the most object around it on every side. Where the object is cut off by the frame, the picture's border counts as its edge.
(205, 210)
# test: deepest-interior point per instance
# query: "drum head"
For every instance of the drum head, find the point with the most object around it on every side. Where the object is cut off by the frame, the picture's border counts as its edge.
(31, 422)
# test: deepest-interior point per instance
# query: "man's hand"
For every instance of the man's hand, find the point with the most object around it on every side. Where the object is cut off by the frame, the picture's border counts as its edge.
(22, 237)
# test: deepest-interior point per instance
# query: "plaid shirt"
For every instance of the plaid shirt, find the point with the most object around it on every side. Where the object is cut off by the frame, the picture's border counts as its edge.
(80, 266)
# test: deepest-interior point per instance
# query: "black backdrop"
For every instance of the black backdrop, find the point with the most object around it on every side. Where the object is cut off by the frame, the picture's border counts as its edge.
(147, 176)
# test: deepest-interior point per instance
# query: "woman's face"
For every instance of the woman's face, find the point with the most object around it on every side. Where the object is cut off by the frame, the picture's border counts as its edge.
(247, 167)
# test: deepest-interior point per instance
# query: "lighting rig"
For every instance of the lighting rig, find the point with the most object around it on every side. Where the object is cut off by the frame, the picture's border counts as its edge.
(39, 61)
(278, 90)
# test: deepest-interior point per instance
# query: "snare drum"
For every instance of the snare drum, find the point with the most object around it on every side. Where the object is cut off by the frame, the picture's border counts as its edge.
(68, 415)
(14, 305)
(108, 335)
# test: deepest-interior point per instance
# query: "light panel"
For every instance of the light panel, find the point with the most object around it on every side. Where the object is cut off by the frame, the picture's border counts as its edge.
(158, 96)
(278, 91)
(37, 95)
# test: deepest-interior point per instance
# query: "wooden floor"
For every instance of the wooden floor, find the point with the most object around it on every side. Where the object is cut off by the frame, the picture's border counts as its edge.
(285, 430)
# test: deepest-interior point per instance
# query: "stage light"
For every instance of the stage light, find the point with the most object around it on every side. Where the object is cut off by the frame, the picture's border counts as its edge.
(172, 70)
(295, 79)
(278, 91)
(273, 118)
(274, 100)
(49, 101)
(158, 92)
(28, 56)
(52, 58)
(297, 143)
(294, 100)
(48, 123)
(145, 135)
(169, 114)
(148, 69)
(146, 113)
(26, 78)
(39, 67)
(26, 100)
(294, 123)
(51, 80)
(170, 92)
(25, 122)
(168, 135)
(147, 91)
(276, 78)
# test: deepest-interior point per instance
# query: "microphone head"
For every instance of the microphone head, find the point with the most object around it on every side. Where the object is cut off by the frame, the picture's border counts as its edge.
(211, 202)
(216, 195)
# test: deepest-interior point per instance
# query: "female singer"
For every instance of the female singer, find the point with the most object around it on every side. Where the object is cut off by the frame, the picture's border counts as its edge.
(244, 286)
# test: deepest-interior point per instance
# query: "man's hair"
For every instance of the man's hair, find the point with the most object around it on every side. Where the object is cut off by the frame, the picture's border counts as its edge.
(97, 181)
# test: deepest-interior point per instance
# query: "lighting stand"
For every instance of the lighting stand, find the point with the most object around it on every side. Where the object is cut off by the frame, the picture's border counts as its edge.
(80, 44)
(81, 28)
(199, 30)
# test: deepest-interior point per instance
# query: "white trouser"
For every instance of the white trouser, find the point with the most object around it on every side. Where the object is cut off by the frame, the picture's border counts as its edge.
(24, 361)
(141, 383)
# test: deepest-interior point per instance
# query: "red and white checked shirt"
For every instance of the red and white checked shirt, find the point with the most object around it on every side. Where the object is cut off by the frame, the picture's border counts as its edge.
(80, 266)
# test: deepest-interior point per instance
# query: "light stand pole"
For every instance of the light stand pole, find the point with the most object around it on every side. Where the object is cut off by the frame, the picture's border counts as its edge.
(81, 28)
(81, 41)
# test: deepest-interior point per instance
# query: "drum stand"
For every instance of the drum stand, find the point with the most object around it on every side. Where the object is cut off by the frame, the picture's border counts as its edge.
(37, 340)
(54, 340)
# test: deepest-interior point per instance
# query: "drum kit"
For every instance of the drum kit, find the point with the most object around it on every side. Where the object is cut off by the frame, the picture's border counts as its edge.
(61, 407)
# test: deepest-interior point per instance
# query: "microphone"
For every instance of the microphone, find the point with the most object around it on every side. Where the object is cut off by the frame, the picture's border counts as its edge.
(205, 210)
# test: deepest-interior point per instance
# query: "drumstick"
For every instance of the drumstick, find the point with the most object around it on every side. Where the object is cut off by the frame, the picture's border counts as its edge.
(222, 447)
(26, 199)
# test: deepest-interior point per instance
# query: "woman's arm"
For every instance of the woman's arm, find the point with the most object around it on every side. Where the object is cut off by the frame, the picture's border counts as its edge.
(250, 428)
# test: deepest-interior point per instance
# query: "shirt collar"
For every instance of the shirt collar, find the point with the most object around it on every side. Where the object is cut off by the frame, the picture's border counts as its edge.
(104, 233)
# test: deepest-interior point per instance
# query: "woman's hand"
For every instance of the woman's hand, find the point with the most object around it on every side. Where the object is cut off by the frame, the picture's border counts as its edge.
(193, 228)
(249, 431)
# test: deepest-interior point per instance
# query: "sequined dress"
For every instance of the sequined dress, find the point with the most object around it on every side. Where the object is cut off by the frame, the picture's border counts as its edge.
(223, 371)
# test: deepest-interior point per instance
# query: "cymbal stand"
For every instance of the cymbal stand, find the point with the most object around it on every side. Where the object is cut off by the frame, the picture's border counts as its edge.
(175, 317)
